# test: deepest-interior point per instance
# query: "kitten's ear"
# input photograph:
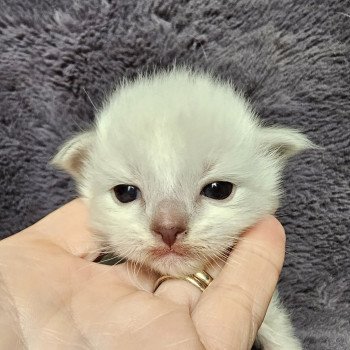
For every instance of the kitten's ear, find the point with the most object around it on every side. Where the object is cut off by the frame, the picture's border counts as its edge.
(284, 142)
(74, 153)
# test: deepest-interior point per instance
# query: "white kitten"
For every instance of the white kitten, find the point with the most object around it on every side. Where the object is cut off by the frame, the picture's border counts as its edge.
(176, 167)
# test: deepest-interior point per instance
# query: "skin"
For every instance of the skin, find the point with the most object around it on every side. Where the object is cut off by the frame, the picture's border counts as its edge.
(52, 296)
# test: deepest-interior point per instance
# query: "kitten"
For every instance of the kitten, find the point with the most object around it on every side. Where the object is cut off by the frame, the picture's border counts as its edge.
(175, 168)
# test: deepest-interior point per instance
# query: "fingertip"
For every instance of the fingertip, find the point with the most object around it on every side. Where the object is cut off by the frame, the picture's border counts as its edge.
(275, 228)
(269, 230)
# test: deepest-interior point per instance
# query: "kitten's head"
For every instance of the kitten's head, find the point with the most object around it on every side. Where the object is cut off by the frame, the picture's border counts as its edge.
(175, 168)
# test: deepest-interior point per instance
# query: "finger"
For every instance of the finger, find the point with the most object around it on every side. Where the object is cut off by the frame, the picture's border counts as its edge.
(235, 303)
(180, 292)
(68, 228)
(136, 276)
(257, 259)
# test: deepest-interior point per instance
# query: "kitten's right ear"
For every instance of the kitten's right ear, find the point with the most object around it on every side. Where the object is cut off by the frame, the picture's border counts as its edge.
(74, 153)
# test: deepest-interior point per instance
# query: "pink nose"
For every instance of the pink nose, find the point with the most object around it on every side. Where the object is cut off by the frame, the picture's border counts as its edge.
(169, 234)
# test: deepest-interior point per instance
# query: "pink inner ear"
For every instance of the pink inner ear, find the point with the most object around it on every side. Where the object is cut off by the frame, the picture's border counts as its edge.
(76, 161)
(74, 154)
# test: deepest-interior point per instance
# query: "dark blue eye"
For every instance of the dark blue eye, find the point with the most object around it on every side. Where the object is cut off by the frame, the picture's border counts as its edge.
(126, 193)
(217, 190)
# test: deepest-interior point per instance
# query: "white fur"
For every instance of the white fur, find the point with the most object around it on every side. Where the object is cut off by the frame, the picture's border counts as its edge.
(170, 134)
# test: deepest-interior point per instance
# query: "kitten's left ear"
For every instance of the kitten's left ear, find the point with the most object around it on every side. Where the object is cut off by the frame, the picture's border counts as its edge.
(74, 154)
(284, 142)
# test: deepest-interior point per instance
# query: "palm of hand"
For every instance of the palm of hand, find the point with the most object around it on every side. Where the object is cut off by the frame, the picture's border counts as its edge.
(53, 296)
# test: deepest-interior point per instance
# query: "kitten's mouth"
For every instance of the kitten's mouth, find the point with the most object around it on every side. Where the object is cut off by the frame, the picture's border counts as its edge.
(179, 260)
(161, 252)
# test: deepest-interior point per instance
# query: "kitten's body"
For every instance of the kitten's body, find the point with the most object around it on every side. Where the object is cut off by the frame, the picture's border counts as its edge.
(170, 135)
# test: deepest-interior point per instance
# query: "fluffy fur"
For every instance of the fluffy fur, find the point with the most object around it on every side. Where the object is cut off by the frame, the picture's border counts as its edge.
(170, 134)
(290, 58)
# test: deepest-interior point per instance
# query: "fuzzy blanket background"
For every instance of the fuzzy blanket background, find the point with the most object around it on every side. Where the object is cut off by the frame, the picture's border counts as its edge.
(290, 57)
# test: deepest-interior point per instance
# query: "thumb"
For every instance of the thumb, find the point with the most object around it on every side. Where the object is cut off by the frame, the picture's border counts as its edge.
(233, 307)
(66, 227)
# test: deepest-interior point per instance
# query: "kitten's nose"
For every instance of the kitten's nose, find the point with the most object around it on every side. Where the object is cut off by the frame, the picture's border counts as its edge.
(169, 234)
(169, 221)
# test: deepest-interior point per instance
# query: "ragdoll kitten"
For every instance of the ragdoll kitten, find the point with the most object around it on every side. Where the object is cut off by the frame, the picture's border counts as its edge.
(175, 168)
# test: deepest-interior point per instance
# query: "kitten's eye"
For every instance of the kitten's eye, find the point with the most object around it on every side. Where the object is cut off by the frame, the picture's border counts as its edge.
(217, 190)
(126, 193)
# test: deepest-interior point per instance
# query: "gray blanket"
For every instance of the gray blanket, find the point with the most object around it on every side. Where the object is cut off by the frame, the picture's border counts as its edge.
(290, 57)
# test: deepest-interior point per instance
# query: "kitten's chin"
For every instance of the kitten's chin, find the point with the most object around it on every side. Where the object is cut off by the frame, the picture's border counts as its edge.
(175, 265)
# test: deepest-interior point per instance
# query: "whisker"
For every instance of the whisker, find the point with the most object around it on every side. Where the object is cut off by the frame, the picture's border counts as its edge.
(90, 100)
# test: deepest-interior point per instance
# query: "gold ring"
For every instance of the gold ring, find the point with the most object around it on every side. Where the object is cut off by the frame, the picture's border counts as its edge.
(196, 282)
(204, 277)
(162, 279)
(200, 279)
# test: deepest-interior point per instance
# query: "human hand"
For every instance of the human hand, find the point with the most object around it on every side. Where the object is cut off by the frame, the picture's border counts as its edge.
(53, 296)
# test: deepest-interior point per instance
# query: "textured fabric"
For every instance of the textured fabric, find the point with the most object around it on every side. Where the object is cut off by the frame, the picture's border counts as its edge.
(291, 58)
